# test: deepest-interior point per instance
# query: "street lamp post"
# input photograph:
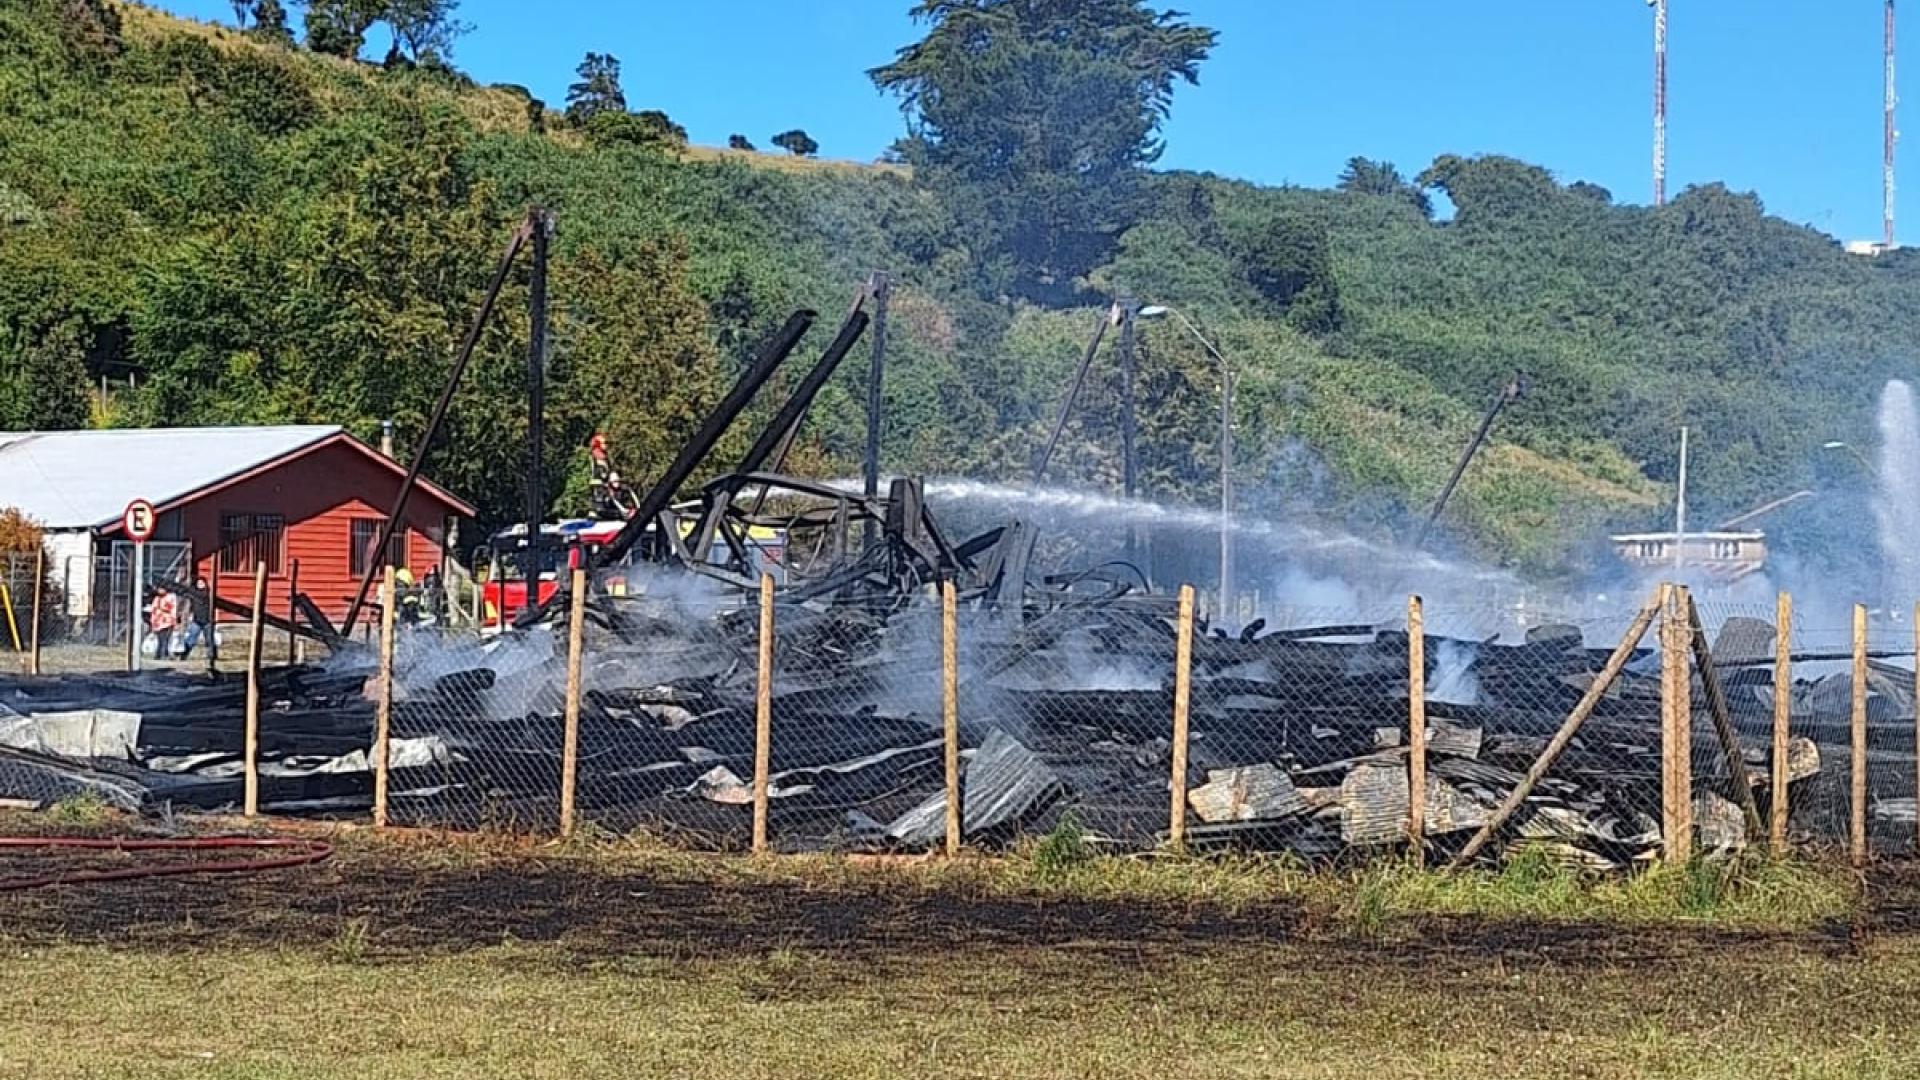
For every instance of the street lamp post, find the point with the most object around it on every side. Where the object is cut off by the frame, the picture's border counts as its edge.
(1836, 444)
(1155, 311)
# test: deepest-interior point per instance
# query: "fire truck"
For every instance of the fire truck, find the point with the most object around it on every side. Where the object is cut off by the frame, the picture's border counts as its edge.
(564, 545)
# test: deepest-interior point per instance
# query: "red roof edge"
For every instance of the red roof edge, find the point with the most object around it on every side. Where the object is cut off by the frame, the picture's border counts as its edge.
(432, 490)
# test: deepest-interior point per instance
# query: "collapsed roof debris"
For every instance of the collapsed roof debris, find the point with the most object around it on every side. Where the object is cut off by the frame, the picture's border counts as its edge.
(1065, 696)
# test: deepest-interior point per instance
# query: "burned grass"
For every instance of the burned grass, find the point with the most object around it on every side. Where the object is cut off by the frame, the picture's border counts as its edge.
(411, 955)
(426, 893)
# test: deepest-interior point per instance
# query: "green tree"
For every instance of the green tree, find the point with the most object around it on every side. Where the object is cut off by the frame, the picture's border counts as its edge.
(339, 27)
(739, 142)
(1364, 176)
(426, 29)
(652, 128)
(796, 142)
(270, 22)
(1038, 116)
(598, 90)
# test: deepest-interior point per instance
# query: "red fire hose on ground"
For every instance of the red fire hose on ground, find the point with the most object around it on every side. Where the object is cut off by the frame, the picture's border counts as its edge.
(298, 853)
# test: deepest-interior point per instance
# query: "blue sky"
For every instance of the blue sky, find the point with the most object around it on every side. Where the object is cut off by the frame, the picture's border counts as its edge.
(1776, 96)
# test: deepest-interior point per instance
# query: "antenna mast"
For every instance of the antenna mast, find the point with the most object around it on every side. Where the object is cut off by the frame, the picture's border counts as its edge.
(1892, 136)
(1660, 100)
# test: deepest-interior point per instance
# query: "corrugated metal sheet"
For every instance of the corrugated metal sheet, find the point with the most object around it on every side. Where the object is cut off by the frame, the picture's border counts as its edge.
(85, 479)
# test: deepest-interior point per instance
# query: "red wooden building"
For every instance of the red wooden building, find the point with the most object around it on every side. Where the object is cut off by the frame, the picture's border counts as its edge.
(306, 501)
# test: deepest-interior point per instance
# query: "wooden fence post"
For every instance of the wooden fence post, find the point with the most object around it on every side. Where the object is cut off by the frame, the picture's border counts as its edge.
(950, 708)
(39, 586)
(383, 715)
(1782, 716)
(570, 736)
(1722, 715)
(763, 717)
(1182, 689)
(252, 804)
(1676, 741)
(1416, 728)
(1858, 831)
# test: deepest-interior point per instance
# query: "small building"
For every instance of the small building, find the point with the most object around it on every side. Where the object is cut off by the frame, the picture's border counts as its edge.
(1722, 556)
(307, 501)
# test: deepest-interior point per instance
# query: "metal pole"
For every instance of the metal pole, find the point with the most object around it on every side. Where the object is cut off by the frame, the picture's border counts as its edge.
(1129, 474)
(1226, 489)
(1892, 136)
(536, 392)
(133, 626)
(1226, 455)
(880, 286)
(39, 586)
(1659, 102)
(1680, 510)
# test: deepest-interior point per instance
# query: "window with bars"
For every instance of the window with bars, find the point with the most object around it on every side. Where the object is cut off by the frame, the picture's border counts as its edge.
(249, 539)
(365, 534)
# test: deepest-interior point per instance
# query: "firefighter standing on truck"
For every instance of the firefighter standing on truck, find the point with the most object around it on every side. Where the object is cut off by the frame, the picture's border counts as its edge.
(611, 500)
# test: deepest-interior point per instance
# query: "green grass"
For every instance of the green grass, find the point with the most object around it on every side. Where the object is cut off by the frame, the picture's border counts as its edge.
(1750, 893)
(524, 1011)
(84, 812)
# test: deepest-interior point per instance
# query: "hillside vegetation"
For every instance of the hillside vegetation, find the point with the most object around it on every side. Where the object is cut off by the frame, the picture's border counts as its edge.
(222, 229)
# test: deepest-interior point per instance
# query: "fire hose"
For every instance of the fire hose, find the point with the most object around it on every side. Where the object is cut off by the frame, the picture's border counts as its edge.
(300, 853)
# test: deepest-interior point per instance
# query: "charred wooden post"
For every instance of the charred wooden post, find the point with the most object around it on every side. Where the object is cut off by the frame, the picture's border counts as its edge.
(542, 223)
(1107, 318)
(1782, 716)
(786, 423)
(1508, 394)
(520, 236)
(293, 613)
(880, 287)
(696, 449)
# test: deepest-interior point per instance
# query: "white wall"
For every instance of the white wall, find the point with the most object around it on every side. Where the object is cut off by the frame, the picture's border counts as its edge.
(70, 564)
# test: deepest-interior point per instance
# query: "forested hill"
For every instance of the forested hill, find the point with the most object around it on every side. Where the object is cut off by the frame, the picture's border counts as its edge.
(251, 232)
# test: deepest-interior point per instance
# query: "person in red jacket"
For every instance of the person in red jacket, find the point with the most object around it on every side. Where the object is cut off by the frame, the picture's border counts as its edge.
(163, 614)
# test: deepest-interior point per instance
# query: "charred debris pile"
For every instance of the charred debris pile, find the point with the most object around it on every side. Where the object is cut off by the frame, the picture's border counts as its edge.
(1065, 687)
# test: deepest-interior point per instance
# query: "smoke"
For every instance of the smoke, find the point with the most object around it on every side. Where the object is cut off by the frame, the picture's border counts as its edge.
(1898, 502)
(1453, 680)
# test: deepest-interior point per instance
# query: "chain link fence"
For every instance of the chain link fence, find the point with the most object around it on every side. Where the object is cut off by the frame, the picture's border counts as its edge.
(1597, 739)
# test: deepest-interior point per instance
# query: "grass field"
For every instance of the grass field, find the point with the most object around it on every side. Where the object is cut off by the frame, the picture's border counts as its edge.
(400, 959)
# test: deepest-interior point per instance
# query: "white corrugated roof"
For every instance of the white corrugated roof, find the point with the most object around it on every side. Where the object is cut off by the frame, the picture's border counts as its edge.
(85, 479)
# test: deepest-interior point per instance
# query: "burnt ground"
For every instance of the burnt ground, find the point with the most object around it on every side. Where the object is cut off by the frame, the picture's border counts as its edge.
(413, 898)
